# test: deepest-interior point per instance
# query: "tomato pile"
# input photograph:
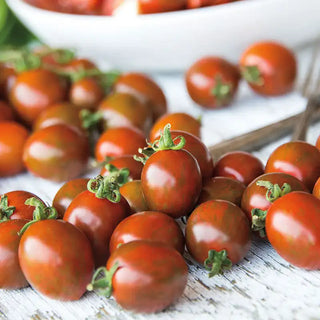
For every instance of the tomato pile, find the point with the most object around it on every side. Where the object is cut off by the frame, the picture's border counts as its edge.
(118, 233)
(111, 7)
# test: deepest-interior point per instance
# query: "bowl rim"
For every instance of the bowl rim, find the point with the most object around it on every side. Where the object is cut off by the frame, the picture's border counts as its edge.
(172, 14)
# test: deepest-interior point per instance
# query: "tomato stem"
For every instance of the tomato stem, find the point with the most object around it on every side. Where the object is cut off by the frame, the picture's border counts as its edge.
(274, 191)
(259, 221)
(5, 211)
(252, 75)
(102, 281)
(221, 91)
(41, 212)
(217, 262)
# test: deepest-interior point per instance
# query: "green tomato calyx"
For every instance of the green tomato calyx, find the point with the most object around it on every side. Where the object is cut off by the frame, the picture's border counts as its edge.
(217, 262)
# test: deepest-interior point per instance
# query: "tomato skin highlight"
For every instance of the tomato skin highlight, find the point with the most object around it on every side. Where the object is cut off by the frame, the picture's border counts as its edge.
(298, 158)
(96, 218)
(57, 153)
(293, 229)
(12, 140)
(151, 276)
(51, 261)
(11, 276)
(218, 225)
(275, 63)
(151, 226)
(171, 182)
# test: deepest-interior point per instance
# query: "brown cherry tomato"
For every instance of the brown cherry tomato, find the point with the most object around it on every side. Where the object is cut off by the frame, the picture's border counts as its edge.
(56, 259)
(212, 82)
(178, 121)
(150, 276)
(12, 205)
(11, 276)
(126, 161)
(12, 139)
(218, 230)
(254, 197)
(222, 188)
(145, 89)
(151, 226)
(120, 141)
(316, 189)
(157, 6)
(269, 68)
(57, 153)
(318, 143)
(34, 91)
(8, 77)
(86, 93)
(298, 158)
(60, 113)
(97, 218)
(239, 165)
(293, 229)
(67, 193)
(171, 182)
(132, 192)
(204, 3)
(199, 150)
(125, 110)
(6, 112)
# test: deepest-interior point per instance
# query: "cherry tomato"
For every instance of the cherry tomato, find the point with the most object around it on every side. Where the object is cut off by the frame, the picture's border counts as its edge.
(254, 197)
(12, 205)
(34, 91)
(222, 188)
(316, 189)
(157, 6)
(7, 79)
(6, 112)
(239, 165)
(79, 64)
(318, 143)
(97, 218)
(135, 167)
(212, 82)
(60, 113)
(86, 93)
(145, 89)
(171, 182)
(132, 192)
(12, 139)
(67, 193)
(269, 68)
(151, 226)
(70, 6)
(118, 142)
(125, 110)
(204, 3)
(11, 276)
(178, 121)
(293, 229)
(217, 231)
(56, 259)
(298, 158)
(199, 150)
(146, 276)
(57, 153)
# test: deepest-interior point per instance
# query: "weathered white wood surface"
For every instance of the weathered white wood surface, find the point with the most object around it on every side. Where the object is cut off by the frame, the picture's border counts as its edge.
(262, 286)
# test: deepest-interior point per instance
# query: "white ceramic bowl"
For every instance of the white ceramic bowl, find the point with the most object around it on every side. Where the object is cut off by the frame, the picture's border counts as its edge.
(173, 41)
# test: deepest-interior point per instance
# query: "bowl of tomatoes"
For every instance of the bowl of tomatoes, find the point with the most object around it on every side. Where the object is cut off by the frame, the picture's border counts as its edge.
(171, 41)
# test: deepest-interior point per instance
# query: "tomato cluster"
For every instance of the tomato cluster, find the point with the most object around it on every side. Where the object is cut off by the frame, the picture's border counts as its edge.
(123, 222)
(110, 7)
(268, 67)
